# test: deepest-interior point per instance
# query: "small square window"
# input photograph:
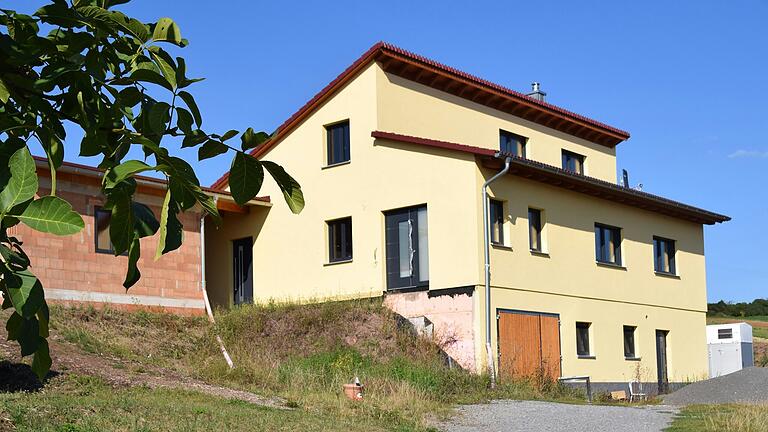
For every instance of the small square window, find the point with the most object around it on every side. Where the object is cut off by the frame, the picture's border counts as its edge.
(629, 342)
(607, 244)
(340, 239)
(512, 143)
(582, 339)
(534, 229)
(338, 143)
(664, 255)
(497, 221)
(573, 162)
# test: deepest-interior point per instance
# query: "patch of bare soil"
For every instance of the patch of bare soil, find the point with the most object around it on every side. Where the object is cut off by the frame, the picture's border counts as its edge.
(67, 358)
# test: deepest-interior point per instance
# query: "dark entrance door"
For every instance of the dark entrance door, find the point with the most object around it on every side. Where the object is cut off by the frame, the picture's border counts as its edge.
(407, 252)
(661, 360)
(242, 267)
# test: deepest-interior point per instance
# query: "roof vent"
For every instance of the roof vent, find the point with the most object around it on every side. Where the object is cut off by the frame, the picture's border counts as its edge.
(536, 92)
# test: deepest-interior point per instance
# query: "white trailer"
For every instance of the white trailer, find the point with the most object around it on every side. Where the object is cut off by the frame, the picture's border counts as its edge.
(730, 348)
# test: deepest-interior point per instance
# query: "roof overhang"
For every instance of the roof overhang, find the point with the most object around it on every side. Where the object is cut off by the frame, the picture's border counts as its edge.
(554, 176)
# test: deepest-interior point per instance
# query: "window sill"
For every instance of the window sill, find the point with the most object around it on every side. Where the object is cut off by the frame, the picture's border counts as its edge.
(611, 265)
(586, 357)
(667, 275)
(632, 358)
(539, 253)
(501, 246)
(335, 165)
(332, 263)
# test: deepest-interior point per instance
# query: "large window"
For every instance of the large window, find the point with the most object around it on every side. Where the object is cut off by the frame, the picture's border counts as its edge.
(608, 244)
(512, 143)
(582, 339)
(340, 240)
(497, 221)
(629, 342)
(103, 243)
(573, 162)
(534, 229)
(407, 248)
(338, 143)
(664, 255)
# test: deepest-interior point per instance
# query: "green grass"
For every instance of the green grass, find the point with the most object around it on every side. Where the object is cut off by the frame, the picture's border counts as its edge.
(718, 418)
(303, 354)
(80, 404)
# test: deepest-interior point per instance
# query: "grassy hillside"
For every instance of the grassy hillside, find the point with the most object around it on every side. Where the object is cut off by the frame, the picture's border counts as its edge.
(302, 354)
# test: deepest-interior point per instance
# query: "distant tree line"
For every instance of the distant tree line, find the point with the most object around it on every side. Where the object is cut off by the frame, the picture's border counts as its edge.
(754, 308)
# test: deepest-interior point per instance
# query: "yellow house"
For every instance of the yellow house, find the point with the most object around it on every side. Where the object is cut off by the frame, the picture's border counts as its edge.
(588, 277)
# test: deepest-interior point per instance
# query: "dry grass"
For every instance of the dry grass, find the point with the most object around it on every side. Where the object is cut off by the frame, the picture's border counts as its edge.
(718, 418)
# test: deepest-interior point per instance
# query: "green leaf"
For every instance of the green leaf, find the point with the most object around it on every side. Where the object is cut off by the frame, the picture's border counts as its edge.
(252, 139)
(166, 65)
(22, 185)
(245, 178)
(121, 172)
(25, 291)
(290, 187)
(171, 230)
(54, 151)
(44, 318)
(122, 222)
(145, 224)
(166, 30)
(42, 362)
(4, 94)
(150, 76)
(130, 96)
(211, 148)
(133, 274)
(184, 120)
(52, 215)
(159, 116)
(229, 134)
(190, 101)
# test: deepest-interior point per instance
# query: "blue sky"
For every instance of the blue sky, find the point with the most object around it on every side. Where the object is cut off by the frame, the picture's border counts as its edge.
(686, 79)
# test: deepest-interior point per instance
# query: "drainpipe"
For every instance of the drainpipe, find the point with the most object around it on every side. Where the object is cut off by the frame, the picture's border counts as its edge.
(487, 250)
(205, 293)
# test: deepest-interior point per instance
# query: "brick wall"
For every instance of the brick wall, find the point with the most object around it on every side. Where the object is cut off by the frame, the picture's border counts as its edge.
(72, 271)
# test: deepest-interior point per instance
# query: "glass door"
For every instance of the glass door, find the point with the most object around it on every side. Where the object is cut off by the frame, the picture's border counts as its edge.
(407, 248)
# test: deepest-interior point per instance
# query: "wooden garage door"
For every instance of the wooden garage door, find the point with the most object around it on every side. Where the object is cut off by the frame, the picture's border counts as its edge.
(528, 342)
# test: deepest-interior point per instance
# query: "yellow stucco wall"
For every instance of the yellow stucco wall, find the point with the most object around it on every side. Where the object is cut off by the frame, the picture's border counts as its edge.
(290, 251)
(410, 108)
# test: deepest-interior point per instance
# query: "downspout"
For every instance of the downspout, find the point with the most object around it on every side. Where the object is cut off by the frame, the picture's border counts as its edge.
(487, 250)
(205, 293)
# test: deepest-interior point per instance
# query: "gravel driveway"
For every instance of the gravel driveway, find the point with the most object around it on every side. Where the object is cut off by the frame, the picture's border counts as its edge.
(510, 416)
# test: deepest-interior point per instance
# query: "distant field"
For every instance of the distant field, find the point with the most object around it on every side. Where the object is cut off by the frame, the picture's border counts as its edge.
(759, 323)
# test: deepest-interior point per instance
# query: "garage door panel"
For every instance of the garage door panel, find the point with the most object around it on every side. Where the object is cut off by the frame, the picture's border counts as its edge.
(528, 342)
(550, 345)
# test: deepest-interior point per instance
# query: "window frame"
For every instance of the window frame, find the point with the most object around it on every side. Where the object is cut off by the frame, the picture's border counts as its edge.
(329, 134)
(631, 355)
(521, 141)
(539, 230)
(618, 262)
(567, 155)
(671, 254)
(494, 206)
(96, 211)
(586, 328)
(331, 227)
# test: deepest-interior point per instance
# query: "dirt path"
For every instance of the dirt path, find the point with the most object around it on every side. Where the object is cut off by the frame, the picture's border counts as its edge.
(68, 358)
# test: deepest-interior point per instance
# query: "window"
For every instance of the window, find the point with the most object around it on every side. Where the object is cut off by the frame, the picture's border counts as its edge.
(608, 244)
(582, 339)
(629, 342)
(512, 143)
(573, 162)
(338, 143)
(103, 243)
(340, 240)
(534, 229)
(497, 221)
(664, 255)
(725, 333)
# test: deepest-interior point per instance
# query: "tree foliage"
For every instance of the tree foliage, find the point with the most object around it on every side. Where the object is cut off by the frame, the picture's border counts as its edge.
(85, 65)
(757, 307)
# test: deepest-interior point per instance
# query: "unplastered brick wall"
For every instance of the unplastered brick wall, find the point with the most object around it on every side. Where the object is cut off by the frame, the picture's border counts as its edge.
(72, 271)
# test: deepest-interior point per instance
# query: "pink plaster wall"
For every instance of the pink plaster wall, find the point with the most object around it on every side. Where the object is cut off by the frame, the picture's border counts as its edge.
(452, 317)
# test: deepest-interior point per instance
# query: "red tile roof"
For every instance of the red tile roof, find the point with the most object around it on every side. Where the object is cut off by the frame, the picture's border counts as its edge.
(558, 177)
(429, 72)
